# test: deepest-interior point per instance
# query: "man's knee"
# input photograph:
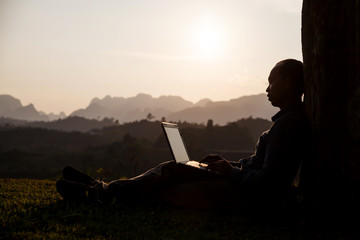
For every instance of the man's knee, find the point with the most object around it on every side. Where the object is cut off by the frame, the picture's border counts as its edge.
(167, 168)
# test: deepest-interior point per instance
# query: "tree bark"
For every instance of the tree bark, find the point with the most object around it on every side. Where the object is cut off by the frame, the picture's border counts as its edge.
(331, 45)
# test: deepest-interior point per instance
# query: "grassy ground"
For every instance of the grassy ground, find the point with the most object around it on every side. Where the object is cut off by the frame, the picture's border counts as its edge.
(31, 209)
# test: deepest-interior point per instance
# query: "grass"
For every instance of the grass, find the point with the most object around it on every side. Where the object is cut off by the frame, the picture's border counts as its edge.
(31, 209)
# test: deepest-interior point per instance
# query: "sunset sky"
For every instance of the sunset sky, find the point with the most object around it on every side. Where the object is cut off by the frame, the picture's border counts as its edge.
(60, 54)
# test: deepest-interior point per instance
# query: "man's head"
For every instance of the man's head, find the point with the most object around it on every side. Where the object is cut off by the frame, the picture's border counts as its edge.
(286, 83)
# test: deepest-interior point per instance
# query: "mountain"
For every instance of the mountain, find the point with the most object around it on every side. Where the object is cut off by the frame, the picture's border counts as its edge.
(203, 102)
(53, 117)
(172, 108)
(11, 107)
(133, 108)
(8, 104)
(222, 112)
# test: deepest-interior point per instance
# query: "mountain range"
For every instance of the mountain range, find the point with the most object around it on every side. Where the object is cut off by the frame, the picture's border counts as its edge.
(11, 107)
(171, 108)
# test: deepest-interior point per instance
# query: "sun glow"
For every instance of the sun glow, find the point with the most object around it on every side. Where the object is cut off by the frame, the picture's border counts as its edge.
(209, 40)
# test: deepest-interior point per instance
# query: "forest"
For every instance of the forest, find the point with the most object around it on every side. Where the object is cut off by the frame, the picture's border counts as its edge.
(117, 150)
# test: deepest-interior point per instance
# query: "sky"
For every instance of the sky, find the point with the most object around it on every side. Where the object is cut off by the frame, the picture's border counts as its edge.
(60, 54)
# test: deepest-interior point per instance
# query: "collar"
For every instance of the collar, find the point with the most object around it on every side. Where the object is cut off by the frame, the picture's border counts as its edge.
(286, 110)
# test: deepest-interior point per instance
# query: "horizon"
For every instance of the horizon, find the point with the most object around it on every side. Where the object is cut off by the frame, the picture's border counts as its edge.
(60, 55)
(101, 98)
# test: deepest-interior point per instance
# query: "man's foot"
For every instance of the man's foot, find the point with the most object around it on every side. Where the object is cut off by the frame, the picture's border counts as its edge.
(72, 174)
(71, 191)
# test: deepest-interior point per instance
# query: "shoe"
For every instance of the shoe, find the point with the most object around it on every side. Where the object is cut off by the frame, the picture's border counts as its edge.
(71, 191)
(72, 174)
(96, 192)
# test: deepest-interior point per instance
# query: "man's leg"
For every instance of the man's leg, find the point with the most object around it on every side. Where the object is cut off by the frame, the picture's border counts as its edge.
(198, 189)
(136, 189)
(72, 174)
(166, 183)
(78, 187)
(172, 183)
(71, 191)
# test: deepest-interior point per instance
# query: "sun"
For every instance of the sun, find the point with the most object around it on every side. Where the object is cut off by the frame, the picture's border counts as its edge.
(208, 40)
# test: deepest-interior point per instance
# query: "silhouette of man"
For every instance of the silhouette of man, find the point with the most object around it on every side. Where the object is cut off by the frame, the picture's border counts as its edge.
(263, 177)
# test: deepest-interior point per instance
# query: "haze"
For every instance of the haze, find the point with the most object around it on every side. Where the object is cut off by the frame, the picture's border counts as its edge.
(59, 55)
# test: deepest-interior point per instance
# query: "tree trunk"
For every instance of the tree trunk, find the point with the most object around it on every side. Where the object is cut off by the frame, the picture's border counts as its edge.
(331, 54)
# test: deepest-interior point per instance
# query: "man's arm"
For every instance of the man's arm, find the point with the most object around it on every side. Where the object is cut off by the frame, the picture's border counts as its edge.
(211, 158)
(223, 167)
(276, 161)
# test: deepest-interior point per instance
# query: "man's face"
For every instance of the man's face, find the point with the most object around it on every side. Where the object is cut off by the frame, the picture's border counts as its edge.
(277, 89)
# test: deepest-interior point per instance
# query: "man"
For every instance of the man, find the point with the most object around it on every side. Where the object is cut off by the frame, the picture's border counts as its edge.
(264, 177)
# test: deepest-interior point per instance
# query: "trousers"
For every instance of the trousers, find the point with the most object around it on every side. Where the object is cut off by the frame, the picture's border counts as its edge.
(175, 184)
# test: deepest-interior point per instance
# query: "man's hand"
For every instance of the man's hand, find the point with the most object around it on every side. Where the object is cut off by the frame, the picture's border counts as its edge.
(221, 166)
(211, 158)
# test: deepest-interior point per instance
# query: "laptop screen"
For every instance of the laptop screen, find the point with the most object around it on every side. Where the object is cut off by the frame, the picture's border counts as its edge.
(176, 143)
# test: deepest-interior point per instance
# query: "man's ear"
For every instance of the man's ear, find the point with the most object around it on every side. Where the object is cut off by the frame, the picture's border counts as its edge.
(289, 84)
(291, 88)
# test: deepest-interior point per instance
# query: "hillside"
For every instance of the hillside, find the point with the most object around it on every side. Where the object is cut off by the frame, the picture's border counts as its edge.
(133, 108)
(171, 108)
(256, 106)
(11, 107)
(68, 124)
(119, 150)
(175, 108)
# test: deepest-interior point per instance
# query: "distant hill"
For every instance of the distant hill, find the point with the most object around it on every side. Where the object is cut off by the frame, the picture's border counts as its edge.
(256, 106)
(172, 108)
(11, 107)
(133, 108)
(68, 124)
(121, 150)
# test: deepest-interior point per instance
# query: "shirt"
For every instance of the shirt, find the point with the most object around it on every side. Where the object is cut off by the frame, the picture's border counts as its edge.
(279, 151)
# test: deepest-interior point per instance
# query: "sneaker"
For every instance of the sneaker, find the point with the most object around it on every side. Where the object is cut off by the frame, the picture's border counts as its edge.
(96, 192)
(71, 191)
(72, 174)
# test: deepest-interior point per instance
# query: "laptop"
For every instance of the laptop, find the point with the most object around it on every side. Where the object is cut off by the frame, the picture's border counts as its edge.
(177, 146)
